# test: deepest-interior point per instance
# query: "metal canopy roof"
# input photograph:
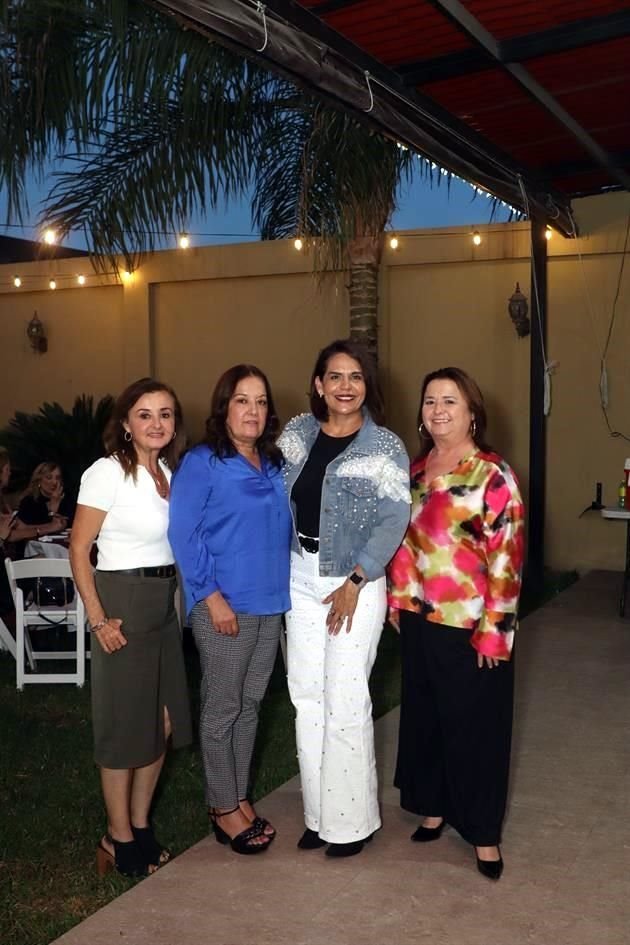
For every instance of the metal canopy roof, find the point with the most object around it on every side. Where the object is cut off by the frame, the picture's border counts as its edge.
(528, 100)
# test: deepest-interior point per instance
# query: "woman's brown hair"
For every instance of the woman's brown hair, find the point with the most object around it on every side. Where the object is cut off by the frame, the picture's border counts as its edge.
(217, 435)
(473, 397)
(124, 449)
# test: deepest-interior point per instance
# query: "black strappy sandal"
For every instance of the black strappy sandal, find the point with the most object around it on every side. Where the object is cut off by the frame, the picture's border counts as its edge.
(242, 842)
(127, 858)
(267, 829)
(151, 849)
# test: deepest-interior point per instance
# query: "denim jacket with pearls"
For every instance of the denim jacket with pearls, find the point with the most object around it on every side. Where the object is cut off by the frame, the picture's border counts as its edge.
(365, 496)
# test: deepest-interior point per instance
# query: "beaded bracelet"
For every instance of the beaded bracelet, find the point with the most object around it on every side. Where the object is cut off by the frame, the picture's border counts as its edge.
(99, 625)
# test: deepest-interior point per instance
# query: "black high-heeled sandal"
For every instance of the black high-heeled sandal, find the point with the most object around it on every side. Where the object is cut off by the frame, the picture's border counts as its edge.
(242, 842)
(127, 858)
(267, 829)
(152, 849)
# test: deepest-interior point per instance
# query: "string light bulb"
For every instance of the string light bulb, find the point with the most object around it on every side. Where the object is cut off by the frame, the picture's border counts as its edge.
(298, 244)
(50, 236)
(476, 238)
(17, 282)
(393, 242)
(81, 280)
(52, 284)
(184, 241)
(548, 232)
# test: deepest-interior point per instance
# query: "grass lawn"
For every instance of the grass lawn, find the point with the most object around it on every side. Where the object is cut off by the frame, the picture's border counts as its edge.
(51, 813)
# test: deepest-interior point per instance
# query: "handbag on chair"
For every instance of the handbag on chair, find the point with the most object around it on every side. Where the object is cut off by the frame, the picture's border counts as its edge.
(47, 592)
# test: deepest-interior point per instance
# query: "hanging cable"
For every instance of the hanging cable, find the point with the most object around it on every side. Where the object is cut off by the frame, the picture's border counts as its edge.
(367, 79)
(260, 8)
(603, 377)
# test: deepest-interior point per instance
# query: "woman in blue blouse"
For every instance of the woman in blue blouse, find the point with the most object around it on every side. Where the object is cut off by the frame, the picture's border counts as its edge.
(230, 531)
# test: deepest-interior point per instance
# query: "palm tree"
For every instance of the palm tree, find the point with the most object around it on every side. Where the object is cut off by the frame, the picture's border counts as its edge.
(324, 176)
(162, 123)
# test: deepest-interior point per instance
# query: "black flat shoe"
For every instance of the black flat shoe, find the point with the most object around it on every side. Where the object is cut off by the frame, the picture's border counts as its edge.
(311, 840)
(152, 849)
(426, 834)
(491, 869)
(347, 849)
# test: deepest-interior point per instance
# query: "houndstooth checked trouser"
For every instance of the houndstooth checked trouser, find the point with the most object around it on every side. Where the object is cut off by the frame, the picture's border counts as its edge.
(235, 674)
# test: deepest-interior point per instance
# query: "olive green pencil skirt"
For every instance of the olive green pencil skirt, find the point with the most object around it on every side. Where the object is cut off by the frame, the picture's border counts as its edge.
(131, 687)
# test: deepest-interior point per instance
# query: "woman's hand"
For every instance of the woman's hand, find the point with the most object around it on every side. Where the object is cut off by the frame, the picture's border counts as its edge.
(343, 603)
(54, 500)
(6, 525)
(221, 614)
(393, 618)
(110, 636)
(56, 524)
(489, 661)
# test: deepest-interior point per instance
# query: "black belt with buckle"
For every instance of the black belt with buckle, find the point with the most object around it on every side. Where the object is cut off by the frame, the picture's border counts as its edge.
(161, 571)
(309, 544)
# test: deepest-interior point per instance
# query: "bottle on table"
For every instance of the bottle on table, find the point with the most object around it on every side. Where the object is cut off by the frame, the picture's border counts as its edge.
(622, 494)
(626, 477)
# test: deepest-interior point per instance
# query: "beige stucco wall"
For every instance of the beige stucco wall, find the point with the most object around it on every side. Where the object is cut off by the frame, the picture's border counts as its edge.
(186, 316)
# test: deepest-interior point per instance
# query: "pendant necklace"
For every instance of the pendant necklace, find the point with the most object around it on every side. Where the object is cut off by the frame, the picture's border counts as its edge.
(160, 481)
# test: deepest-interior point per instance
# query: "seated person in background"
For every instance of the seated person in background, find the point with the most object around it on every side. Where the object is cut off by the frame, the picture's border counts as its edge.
(45, 502)
(13, 532)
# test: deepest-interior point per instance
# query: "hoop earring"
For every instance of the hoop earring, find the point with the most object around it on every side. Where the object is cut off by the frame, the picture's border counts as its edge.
(174, 435)
(473, 428)
(421, 430)
(127, 436)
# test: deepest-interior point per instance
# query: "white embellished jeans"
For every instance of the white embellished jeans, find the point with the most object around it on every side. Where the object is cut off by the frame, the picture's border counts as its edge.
(328, 683)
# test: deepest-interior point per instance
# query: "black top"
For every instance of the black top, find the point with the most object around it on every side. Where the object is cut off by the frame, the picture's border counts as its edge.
(33, 510)
(307, 489)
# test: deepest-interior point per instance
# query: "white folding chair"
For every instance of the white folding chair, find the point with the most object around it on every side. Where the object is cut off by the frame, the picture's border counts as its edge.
(72, 615)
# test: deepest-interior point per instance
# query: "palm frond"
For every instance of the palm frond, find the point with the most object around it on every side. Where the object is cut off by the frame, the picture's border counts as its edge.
(322, 174)
(72, 439)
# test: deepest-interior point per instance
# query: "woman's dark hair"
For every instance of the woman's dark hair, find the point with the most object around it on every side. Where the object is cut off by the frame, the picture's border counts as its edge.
(354, 349)
(124, 449)
(473, 397)
(217, 435)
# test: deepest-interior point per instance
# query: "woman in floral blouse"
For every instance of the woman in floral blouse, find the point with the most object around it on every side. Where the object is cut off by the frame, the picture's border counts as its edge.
(454, 589)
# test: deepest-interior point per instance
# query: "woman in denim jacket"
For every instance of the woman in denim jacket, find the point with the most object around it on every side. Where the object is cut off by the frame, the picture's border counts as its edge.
(348, 482)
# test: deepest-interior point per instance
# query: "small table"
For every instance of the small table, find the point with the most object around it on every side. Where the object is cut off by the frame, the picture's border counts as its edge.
(622, 515)
(54, 547)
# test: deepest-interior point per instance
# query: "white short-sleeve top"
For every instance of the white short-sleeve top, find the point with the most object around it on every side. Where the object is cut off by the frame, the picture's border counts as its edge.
(134, 532)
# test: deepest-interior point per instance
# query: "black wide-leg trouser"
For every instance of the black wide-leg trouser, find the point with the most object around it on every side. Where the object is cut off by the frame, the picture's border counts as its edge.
(455, 730)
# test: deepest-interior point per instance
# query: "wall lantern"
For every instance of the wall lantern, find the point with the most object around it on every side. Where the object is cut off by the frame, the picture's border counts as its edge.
(518, 309)
(37, 335)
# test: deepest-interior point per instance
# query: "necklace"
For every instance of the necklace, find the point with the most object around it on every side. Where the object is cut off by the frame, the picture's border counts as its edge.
(160, 481)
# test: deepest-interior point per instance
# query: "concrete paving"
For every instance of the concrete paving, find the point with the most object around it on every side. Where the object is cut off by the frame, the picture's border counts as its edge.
(566, 840)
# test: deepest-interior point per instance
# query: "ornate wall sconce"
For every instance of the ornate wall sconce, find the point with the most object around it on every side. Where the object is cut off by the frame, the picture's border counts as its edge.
(518, 309)
(37, 335)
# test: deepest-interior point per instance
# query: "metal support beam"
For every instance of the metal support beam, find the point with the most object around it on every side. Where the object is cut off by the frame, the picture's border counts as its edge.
(576, 35)
(286, 37)
(537, 421)
(471, 26)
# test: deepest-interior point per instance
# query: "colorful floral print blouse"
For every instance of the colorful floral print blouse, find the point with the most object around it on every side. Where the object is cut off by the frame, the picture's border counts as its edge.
(460, 561)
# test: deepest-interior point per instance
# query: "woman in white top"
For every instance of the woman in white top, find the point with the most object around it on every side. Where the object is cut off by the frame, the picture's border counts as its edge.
(139, 693)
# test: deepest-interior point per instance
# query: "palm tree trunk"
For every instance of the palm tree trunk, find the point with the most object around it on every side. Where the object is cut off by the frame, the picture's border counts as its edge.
(365, 258)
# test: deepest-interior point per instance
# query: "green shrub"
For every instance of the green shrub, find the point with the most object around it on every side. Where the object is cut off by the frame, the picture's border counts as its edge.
(73, 440)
